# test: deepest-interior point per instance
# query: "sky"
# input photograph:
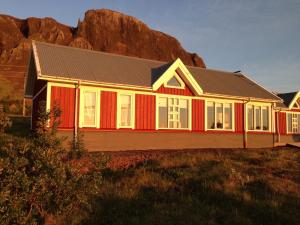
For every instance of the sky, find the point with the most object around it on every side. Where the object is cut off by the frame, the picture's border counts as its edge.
(259, 37)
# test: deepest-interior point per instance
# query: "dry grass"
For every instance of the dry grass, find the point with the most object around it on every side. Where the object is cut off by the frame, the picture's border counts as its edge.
(201, 187)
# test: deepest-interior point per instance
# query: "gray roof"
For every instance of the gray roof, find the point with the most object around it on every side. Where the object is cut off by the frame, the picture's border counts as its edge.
(74, 63)
(287, 98)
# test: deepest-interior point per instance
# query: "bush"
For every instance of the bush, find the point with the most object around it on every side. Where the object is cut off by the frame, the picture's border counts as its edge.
(4, 121)
(40, 184)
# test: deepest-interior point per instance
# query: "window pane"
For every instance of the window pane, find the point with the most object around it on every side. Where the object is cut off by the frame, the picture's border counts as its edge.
(163, 112)
(210, 115)
(183, 105)
(228, 116)
(250, 118)
(257, 118)
(219, 115)
(89, 108)
(289, 122)
(173, 82)
(265, 118)
(125, 102)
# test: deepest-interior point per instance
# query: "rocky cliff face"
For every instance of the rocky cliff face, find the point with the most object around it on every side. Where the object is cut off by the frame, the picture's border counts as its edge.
(102, 30)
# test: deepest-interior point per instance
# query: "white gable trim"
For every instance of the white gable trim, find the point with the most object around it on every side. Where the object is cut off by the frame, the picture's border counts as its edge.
(294, 101)
(187, 77)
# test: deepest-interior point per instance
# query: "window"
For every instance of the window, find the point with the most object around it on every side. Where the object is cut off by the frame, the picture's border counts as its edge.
(175, 82)
(125, 111)
(173, 113)
(89, 108)
(293, 123)
(258, 117)
(219, 115)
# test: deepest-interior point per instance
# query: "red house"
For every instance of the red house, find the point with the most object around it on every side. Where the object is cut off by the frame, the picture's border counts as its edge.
(127, 103)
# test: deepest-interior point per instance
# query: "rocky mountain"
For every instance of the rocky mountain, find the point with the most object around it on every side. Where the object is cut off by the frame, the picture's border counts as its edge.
(101, 30)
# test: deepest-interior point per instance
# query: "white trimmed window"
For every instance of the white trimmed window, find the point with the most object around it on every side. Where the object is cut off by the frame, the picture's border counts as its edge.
(293, 123)
(126, 111)
(173, 113)
(175, 82)
(89, 109)
(258, 118)
(219, 116)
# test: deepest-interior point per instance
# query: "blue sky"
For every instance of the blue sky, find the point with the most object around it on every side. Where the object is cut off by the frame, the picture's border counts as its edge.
(259, 37)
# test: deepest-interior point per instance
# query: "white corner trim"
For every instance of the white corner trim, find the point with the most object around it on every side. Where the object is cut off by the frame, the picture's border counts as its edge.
(36, 59)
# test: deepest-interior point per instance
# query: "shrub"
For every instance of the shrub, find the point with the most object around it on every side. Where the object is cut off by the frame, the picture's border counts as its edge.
(4, 121)
(39, 184)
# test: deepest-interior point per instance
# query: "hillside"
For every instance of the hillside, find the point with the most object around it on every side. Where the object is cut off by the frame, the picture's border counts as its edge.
(101, 30)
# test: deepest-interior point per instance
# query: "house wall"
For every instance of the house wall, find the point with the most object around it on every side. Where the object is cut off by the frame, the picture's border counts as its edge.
(108, 110)
(145, 108)
(36, 106)
(144, 135)
(64, 99)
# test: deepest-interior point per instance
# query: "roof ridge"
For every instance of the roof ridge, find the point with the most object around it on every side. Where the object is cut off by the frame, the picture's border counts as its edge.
(102, 52)
(214, 70)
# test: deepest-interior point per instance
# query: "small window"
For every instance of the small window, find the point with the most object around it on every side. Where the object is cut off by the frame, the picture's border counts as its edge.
(293, 123)
(89, 118)
(125, 110)
(175, 82)
(250, 112)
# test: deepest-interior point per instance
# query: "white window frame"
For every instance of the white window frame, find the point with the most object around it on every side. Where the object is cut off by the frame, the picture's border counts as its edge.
(189, 100)
(261, 105)
(298, 127)
(182, 84)
(81, 107)
(216, 101)
(132, 109)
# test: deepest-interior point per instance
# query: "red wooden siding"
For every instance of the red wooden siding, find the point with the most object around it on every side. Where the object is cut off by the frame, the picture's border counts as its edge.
(198, 114)
(145, 112)
(239, 117)
(64, 98)
(108, 108)
(176, 91)
(282, 122)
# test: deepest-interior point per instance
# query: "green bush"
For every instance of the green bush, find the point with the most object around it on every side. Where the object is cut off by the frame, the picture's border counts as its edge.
(40, 183)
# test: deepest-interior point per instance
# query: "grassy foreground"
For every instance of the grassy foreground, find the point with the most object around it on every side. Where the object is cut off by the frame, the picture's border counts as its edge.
(201, 187)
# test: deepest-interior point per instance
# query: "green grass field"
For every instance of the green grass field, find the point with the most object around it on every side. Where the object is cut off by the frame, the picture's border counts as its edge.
(201, 187)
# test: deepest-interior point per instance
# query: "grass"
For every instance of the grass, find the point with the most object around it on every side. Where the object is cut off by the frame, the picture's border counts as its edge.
(201, 187)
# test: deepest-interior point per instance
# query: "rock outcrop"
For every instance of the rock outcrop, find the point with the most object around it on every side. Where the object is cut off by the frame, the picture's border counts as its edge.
(102, 30)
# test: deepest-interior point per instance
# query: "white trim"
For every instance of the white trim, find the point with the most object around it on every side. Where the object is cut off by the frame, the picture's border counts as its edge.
(36, 59)
(182, 84)
(178, 97)
(187, 77)
(222, 101)
(81, 107)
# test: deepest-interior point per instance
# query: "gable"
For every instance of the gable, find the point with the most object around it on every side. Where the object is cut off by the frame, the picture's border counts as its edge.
(183, 89)
(295, 103)
(182, 75)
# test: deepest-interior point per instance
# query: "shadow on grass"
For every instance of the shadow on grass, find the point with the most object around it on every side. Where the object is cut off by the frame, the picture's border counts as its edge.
(191, 201)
